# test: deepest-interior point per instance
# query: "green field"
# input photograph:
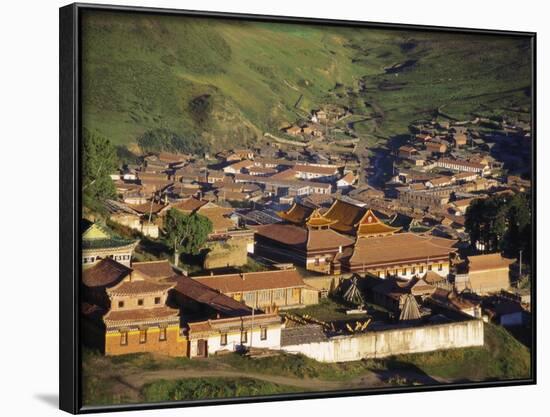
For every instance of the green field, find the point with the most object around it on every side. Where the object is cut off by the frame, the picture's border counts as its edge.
(228, 82)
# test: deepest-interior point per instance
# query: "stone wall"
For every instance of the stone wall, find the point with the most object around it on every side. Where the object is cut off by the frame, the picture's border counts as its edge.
(383, 343)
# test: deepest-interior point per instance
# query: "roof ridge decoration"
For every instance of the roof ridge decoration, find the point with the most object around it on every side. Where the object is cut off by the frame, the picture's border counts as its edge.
(370, 225)
(318, 220)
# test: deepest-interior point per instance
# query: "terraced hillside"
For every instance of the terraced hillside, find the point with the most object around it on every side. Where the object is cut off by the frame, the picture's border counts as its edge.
(228, 82)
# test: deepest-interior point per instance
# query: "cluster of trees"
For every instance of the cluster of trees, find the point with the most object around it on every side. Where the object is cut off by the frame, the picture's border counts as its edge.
(158, 140)
(99, 160)
(185, 233)
(501, 223)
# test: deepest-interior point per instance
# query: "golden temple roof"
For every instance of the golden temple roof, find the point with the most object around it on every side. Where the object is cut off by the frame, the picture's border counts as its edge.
(316, 219)
(297, 214)
(345, 216)
(370, 226)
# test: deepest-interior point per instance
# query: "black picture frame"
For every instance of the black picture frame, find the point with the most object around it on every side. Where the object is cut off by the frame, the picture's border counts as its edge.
(70, 208)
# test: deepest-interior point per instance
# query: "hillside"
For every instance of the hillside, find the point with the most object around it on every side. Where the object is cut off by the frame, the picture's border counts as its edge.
(228, 82)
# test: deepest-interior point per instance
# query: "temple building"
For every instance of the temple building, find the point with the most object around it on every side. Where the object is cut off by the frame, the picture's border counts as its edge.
(322, 242)
(404, 255)
(98, 244)
(309, 242)
(125, 311)
(266, 289)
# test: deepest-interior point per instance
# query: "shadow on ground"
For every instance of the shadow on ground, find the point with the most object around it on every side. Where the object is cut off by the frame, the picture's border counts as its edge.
(50, 399)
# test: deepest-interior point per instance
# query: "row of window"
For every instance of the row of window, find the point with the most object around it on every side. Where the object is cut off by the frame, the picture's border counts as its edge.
(142, 336)
(140, 302)
(244, 336)
(413, 270)
(92, 259)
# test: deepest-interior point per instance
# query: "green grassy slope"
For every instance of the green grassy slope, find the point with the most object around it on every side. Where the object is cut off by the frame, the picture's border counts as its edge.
(228, 82)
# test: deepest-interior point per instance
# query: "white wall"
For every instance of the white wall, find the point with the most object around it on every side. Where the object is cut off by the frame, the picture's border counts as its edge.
(379, 344)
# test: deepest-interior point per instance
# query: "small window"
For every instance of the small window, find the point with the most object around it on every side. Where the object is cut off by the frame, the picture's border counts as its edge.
(123, 338)
(429, 267)
(263, 333)
(316, 261)
(223, 339)
(140, 302)
(421, 269)
(440, 267)
(162, 334)
(120, 304)
(404, 271)
(413, 270)
(244, 337)
(143, 336)
(157, 300)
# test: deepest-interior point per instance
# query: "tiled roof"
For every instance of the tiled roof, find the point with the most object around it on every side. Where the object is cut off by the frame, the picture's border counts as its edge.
(205, 295)
(217, 216)
(287, 234)
(139, 315)
(347, 215)
(146, 208)
(314, 169)
(400, 247)
(298, 213)
(327, 239)
(105, 273)
(154, 269)
(253, 281)
(189, 205)
(139, 287)
(489, 261)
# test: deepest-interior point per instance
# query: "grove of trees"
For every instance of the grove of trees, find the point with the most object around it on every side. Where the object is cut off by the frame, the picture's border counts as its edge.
(501, 223)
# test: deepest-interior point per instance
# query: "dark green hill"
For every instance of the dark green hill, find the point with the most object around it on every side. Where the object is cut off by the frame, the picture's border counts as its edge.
(228, 82)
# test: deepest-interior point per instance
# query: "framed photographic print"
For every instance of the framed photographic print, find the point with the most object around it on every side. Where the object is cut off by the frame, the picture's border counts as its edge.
(259, 208)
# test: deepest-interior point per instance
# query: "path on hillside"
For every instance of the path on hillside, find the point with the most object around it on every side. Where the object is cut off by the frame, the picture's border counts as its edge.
(369, 379)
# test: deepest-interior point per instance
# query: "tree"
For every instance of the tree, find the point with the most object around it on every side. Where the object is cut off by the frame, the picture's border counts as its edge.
(99, 160)
(500, 223)
(186, 233)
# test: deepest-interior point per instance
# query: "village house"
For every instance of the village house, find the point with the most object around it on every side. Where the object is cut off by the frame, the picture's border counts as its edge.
(441, 181)
(459, 139)
(238, 167)
(125, 312)
(266, 289)
(213, 322)
(406, 152)
(240, 154)
(449, 299)
(463, 166)
(435, 147)
(309, 172)
(346, 181)
(215, 176)
(484, 274)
